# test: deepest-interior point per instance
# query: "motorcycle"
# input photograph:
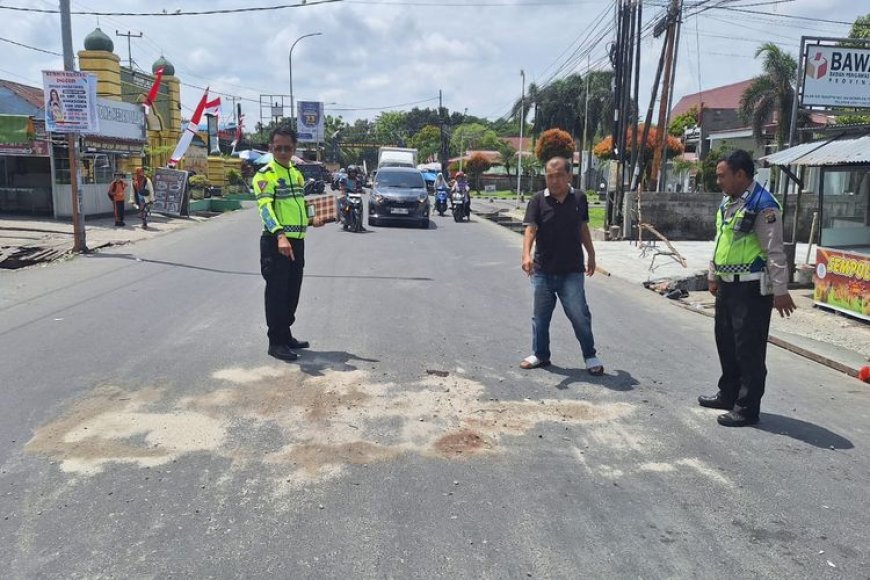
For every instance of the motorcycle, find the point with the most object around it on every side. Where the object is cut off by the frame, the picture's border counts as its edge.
(441, 201)
(459, 209)
(352, 213)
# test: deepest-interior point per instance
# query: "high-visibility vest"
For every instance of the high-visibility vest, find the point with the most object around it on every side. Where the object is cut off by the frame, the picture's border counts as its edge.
(280, 193)
(740, 252)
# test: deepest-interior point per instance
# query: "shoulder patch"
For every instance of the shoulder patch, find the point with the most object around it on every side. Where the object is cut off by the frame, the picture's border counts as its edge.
(769, 215)
(262, 184)
(265, 169)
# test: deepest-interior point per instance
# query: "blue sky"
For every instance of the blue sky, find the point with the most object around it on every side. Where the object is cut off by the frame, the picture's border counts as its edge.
(387, 54)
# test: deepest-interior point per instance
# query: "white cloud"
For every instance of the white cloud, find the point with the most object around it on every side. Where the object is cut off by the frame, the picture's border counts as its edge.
(372, 55)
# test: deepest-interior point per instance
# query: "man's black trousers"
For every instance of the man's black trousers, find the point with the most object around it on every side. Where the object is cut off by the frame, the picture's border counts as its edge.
(283, 282)
(742, 325)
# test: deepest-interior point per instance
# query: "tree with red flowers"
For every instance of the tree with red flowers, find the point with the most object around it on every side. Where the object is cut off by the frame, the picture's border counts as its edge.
(554, 143)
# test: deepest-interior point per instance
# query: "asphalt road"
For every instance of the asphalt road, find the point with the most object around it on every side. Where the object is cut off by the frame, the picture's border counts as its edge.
(145, 432)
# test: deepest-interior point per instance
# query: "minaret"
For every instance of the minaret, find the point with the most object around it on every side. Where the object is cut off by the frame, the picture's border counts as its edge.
(98, 58)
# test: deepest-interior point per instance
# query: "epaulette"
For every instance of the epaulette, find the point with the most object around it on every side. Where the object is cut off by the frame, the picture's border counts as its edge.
(265, 169)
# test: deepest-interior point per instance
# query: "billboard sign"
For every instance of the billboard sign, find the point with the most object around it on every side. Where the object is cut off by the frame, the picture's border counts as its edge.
(310, 122)
(842, 281)
(70, 102)
(836, 77)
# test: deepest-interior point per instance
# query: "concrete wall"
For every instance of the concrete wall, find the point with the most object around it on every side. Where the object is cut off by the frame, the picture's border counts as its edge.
(692, 216)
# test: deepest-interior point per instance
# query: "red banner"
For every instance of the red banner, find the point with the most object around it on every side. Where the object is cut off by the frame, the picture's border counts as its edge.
(36, 148)
(842, 281)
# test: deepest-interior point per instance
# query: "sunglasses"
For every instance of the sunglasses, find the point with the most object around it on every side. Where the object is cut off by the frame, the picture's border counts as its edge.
(284, 148)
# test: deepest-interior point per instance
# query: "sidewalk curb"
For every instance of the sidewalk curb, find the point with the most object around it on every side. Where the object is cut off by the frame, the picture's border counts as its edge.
(782, 343)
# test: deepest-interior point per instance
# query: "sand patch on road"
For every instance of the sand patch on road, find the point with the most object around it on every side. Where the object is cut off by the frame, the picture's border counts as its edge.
(324, 422)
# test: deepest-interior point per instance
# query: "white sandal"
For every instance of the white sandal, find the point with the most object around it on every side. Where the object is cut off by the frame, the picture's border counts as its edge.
(533, 362)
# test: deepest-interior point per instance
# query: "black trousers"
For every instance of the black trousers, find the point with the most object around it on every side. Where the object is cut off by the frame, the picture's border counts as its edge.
(742, 326)
(119, 212)
(283, 283)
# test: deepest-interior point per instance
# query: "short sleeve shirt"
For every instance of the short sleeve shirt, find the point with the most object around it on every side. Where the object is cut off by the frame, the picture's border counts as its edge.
(558, 247)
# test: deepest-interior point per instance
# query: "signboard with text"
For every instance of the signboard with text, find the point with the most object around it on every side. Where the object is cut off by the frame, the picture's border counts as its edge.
(70, 102)
(842, 281)
(170, 192)
(310, 122)
(836, 77)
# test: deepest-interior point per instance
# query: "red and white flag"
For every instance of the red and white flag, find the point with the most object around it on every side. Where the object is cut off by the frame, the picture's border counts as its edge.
(189, 131)
(213, 108)
(155, 89)
(239, 129)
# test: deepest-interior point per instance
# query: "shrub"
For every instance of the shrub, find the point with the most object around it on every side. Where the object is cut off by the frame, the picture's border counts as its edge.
(554, 143)
(199, 182)
(233, 177)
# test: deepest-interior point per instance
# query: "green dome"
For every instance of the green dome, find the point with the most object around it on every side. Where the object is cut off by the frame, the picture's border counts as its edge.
(168, 68)
(97, 40)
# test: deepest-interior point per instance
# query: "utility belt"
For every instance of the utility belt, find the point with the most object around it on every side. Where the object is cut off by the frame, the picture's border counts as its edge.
(747, 277)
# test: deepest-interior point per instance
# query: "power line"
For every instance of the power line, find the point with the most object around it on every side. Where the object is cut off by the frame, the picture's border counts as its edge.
(347, 108)
(177, 12)
(30, 47)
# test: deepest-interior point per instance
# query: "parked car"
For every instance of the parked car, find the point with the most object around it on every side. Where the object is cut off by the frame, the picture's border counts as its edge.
(399, 195)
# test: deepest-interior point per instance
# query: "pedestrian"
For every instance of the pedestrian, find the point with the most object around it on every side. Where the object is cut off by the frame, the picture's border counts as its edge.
(280, 191)
(748, 276)
(117, 195)
(143, 194)
(556, 223)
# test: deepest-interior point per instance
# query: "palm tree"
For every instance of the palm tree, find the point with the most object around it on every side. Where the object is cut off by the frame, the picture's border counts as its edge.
(771, 94)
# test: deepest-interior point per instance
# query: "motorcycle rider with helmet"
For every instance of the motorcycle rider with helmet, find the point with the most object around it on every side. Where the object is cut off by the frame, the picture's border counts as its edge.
(349, 183)
(461, 186)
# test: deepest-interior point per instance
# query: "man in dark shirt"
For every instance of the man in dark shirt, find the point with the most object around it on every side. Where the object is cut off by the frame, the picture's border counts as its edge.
(557, 224)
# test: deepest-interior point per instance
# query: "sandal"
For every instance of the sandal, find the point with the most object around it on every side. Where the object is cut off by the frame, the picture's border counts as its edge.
(594, 366)
(533, 362)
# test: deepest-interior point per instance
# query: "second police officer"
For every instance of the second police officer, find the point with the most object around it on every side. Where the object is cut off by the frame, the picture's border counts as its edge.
(749, 277)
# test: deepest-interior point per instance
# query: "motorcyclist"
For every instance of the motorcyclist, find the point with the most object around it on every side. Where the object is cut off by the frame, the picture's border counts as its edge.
(461, 186)
(348, 183)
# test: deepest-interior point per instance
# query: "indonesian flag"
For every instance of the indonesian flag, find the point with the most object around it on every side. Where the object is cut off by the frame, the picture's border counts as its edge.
(239, 127)
(155, 88)
(213, 108)
(189, 131)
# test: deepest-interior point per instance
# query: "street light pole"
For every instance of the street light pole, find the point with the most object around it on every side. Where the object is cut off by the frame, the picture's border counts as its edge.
(522, 122)
(292, 102)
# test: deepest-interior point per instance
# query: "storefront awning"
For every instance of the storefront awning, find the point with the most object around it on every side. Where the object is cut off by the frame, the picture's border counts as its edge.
(16, 129)
(821, 153)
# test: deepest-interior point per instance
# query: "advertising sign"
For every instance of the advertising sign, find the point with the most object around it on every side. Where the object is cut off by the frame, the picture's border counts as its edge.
(842, 281)
(70, 102)
(170, 192)
(120, 120)
(836, 77)
(310, 122)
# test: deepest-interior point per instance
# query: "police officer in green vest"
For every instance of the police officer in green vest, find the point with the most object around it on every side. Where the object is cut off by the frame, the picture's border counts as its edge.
(280, 191)
(749, 277)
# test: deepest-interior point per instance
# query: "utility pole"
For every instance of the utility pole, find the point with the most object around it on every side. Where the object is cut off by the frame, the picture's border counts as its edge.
(660, 157)
(584, 180)
(522, 122)
(678, 24)
(444, 150)
(129, 36)
(79, 243)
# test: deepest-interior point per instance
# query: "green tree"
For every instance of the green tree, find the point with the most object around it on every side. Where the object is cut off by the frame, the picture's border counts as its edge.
(427, 141)
(682, 122)
(860, 29)
(466, 137)
(390, 128)
(771, 94)
(508, 155)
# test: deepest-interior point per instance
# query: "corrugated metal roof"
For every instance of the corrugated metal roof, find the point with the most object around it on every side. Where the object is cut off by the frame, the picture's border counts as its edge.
(840, 152)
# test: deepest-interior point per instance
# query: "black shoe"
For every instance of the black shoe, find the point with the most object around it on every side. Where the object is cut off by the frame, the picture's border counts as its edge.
(735, 419)
(298, 343)
(714, 402)
(283, 352)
